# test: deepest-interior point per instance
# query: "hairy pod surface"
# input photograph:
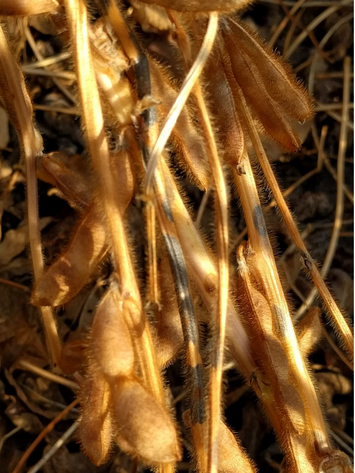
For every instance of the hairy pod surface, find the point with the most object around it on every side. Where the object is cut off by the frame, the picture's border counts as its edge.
(72, 270)
(96, 426)
(280, 99)
(309, 331)
(168, 323)
(143, 423)
(231, 456)
(25, 8)
(224, 108)
(70, 183)
(199, 6)
(111, 342)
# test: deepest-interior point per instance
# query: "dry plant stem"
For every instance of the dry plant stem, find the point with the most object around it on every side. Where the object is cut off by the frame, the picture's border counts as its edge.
(152, 183)
(325, 39)
(221, 198)
(121, 30)
(44, 432)
(338, 219)
(330, 168)
(309, 174)
(188, 322)
(58, 444)
(267, 276)
(334, 310)
(332, 171)
(27, 365)
(94, 125)
(203, 270)
(184, 93)
(178, 266)
(18, 105)
(292, 188)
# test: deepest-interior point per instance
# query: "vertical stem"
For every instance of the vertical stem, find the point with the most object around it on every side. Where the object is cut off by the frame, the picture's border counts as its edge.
(19, 107)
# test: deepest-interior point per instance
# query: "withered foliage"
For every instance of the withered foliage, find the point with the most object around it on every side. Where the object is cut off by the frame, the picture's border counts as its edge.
(201, 98)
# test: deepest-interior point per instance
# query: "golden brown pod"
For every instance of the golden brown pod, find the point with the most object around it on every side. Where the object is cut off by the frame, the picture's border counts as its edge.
(96, 425)
(200, 5)
(168, 322)
(143, 424)
(309, 331)
(271, 91)
(224, 108)
(231, 456)
(70, 183)
(72, 270)
(111, 344)
(27, 7)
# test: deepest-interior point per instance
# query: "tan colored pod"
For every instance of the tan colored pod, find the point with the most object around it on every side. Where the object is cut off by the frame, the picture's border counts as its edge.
(280, 100)
(124, 179)
(27, 7)
(72, 270)
(144, 425)
(200, 5)
(70, 183)
(309, 331)
(224, 108)
(168, 322)
(111, 343)
(96, 423)
(231, 456)
(274, 72)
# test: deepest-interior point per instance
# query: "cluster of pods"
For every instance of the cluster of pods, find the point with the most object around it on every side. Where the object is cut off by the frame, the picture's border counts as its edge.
(212, 89)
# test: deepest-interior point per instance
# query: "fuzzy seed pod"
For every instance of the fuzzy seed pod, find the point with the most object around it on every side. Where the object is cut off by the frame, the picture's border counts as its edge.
(200, 5)
(280, 100)
(231, 456)
(224, 107)
(143, 424)
(309, 331)
(124, 179)
(26, 7)
(70, 183)
(168, 325)
(111, 342)
(96, 426)
(72, 270)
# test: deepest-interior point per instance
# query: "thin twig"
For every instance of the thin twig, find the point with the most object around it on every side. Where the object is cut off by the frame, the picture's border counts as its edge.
(58, 444)
(27, 365)
(41, 436)
(321, 17)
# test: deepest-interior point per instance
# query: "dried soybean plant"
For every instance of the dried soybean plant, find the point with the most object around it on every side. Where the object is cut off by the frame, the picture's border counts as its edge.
(214, 91)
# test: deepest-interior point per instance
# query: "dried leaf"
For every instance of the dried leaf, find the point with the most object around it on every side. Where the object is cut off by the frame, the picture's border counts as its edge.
(15, 241)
